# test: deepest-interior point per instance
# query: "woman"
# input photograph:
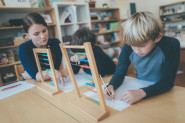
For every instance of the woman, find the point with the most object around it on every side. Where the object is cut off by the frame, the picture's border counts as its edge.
(36, 30)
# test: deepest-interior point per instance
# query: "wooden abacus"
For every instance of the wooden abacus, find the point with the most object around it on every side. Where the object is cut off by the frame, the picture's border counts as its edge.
(45, 86)
(93, 110)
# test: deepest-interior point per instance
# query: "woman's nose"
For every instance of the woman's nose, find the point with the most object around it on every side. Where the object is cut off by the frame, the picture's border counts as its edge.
(43, 35)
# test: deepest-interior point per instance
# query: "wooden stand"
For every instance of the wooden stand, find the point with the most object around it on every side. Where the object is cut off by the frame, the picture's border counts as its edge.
(93, 110)
(45, 86)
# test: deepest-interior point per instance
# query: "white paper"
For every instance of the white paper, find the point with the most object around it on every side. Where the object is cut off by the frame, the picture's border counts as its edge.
(22, 86)
(80, 79)
(129, 83)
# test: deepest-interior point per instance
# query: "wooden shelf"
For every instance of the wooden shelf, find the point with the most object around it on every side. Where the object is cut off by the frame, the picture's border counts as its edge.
(9, 82)
(172, 14)
(21, 27)
(104, 9)
(115, 17)
(109, 43)
(11, 64)
(9, 47)
(173, 21)
(96, 21)
(24, 9)
(106, 32)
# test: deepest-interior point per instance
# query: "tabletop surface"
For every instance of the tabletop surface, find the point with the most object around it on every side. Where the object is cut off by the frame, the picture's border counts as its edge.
(34, 106)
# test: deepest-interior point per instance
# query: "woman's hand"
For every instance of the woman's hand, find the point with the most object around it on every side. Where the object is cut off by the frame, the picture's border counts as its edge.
(60, 77)
(26, 76)
(111, 90)
(133, 96)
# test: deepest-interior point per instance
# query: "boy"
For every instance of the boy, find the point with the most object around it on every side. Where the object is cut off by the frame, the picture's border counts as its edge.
(155, 57)
(104, 64)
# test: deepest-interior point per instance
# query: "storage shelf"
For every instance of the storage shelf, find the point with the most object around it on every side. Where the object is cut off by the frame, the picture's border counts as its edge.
(106, 32)
(171, 4)
(24, 9)
(20, 27)
(80, 18)
(172, 14)
(8, 13)
(11, 64)
(96, 21)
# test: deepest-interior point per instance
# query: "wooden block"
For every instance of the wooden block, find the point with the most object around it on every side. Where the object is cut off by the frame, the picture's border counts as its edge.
(48, 90)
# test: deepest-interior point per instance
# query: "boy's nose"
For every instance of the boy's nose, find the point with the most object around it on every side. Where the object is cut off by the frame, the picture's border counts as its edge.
(138, 50)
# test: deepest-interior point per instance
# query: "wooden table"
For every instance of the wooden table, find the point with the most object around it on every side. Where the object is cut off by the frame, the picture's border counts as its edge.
(166, 108)
(28, 107)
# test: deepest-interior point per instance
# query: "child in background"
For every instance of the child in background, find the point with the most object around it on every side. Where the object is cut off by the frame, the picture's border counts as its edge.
(104, 64)
(154, 56)
(36, 30)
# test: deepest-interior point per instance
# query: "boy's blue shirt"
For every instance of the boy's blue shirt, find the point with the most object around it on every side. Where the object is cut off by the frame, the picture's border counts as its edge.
(27, 58)
(104, 64)
(159, 66)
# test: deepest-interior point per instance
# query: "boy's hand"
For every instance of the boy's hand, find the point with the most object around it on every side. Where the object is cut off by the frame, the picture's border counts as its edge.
(76, 57)
(132, 96)
(111, 90)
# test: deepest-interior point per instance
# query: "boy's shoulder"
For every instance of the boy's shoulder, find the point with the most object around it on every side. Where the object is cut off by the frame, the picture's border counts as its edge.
(169, 45)
(98, 50)
(168, 41)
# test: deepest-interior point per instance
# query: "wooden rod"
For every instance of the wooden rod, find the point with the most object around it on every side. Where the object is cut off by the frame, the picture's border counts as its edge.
(74, 46)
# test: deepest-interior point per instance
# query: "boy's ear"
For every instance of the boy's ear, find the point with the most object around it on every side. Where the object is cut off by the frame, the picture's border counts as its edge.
(27, 36)
(158, 38)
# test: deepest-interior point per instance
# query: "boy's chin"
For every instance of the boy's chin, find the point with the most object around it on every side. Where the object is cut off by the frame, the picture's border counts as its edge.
(141, 55)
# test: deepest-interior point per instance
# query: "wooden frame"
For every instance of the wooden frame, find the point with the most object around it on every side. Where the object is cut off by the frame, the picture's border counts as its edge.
(45, 86)
(93, 110)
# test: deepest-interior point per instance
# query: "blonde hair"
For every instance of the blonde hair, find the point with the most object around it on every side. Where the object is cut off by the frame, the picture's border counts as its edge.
(140, 28)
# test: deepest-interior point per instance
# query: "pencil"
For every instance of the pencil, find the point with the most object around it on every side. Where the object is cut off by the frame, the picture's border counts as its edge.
(105, 87)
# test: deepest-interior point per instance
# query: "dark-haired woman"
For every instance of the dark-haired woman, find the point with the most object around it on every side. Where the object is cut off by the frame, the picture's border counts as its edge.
(36, 30)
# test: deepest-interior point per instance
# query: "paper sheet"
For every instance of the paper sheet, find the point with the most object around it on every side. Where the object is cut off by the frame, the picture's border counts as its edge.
(128, 84)
(81, 79)
(14, 88)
